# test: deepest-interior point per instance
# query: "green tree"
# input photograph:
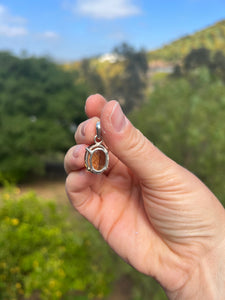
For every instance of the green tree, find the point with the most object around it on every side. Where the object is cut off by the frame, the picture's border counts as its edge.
(197, 58)
(39, 105)
(202, 58)
(218, 65)
(184, 117)
(130, 85)
(90, 76)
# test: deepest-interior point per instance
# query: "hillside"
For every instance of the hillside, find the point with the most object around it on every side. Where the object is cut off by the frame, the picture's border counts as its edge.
(161, 60)
(212, 37)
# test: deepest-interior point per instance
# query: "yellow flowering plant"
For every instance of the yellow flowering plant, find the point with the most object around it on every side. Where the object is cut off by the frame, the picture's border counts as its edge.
(49, 250)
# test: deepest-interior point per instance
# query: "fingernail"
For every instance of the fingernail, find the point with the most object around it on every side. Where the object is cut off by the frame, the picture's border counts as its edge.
(76, 151)
(83, 128)
(118, 118)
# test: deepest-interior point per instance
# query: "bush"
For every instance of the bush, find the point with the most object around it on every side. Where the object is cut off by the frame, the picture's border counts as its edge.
(184, 117)
(47, 251)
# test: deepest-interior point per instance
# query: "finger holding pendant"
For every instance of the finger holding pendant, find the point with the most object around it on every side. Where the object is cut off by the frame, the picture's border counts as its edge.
(86, 131)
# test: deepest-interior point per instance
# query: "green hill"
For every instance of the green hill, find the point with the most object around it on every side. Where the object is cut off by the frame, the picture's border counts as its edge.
(212, 37)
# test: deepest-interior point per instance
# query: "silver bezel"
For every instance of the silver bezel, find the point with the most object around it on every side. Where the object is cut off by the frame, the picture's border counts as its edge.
(90, 151)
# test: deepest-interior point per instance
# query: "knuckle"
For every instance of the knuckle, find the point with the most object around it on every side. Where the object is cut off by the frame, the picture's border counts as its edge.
(137, 143)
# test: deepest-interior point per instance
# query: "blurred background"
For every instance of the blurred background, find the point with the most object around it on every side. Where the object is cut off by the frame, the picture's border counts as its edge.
(163, 60)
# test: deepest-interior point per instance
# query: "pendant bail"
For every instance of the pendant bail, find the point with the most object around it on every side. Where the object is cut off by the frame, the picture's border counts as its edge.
(98, 130)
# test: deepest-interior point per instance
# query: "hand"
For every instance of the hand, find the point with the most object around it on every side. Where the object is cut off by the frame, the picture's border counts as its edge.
(155, 214)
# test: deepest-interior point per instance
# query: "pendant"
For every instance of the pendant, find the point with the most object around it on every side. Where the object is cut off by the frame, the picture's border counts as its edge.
(96, 156)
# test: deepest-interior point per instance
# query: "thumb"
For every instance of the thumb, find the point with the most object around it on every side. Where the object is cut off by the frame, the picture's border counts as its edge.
(130, 146)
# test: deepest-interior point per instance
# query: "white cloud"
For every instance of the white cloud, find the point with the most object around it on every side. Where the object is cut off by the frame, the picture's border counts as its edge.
(105, 9)
(10, 31)
(49, 35)
(10, 25)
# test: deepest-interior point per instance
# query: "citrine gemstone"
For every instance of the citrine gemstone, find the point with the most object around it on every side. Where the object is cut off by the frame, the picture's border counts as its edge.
(98, 160)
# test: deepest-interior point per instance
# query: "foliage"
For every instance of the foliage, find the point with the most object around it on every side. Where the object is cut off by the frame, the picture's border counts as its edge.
(212, 38)
(202, 57)
(130, 85)
(145, 288)
(217, 66)
(184, 117)
(39, 104)
(48, 251)
(197, 58)
(91, 77)
(124, 79)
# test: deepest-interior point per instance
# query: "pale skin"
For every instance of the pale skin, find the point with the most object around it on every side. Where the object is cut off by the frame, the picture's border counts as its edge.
(155, 214)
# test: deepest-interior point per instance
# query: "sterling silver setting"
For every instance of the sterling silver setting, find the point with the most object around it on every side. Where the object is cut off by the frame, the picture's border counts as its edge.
(96, 156)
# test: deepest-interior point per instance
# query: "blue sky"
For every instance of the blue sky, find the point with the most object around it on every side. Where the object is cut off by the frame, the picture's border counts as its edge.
(69, 30)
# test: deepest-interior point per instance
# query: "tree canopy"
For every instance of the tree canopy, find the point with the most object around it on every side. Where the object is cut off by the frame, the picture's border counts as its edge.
(184, 117)
(131, 84)
(39, 105)
(124, 79)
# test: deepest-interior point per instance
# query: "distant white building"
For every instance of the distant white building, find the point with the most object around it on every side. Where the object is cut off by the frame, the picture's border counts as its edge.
(110, 57)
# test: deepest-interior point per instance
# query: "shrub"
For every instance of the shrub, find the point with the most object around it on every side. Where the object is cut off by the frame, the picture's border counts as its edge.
(184, 117)
(45, 250)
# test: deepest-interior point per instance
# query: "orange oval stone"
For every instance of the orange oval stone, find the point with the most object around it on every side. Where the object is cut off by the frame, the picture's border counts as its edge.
(98, 160)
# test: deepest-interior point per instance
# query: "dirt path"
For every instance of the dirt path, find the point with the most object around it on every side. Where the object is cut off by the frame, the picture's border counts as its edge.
(51, 190)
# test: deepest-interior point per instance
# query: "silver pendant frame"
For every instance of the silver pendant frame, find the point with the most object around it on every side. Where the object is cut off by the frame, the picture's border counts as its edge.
(98, 146)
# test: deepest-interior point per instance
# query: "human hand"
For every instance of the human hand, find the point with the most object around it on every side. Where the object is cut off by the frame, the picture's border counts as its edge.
(155, 214)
